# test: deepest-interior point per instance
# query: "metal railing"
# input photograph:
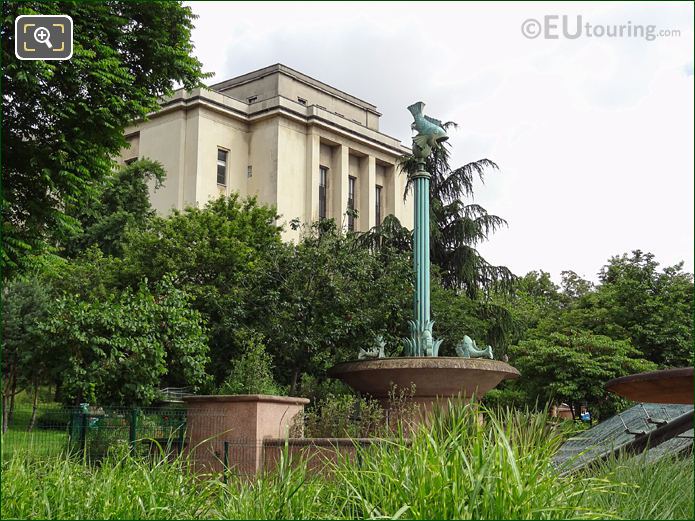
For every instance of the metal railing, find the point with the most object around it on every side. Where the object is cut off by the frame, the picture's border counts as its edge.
(93, 430)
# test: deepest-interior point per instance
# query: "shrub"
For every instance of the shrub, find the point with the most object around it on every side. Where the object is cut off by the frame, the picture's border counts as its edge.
(253, 372)
(344, 416)
(57, 419)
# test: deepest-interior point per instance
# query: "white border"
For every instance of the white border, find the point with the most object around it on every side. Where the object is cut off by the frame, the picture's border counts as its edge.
(16, 40)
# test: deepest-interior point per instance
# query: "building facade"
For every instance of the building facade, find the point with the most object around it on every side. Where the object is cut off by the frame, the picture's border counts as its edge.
(301, 145)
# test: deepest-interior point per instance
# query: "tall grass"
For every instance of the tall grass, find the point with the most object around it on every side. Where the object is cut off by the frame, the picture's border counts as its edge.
(456, 468)
(648, 489)
(121, 487)
(462, 468)
(289, 492)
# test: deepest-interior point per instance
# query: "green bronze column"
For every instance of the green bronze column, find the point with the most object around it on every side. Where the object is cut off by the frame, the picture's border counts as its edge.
(430, 135)
(421, 245)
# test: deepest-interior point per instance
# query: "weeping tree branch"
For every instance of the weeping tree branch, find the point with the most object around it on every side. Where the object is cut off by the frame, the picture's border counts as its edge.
(456, 227)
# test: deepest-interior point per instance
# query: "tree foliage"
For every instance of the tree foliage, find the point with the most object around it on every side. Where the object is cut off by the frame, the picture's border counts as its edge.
(456, 315)
(574, 368)
(26, 359)
(457, 227)
(329, 298)
(221, 255)
(63, 121)
(122, 349)
(652, 308)
(122, 203)
(636, 315)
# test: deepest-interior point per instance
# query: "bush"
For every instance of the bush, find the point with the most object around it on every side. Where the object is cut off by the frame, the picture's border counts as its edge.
(253, 372)
(58, 419)
(316, 389)
(344, 416)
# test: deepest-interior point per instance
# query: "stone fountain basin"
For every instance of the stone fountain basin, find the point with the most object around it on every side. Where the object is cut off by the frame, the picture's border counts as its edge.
(433, 376)
(664, 386)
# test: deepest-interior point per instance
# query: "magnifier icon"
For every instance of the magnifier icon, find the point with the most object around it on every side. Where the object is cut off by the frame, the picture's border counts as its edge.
(43, 35)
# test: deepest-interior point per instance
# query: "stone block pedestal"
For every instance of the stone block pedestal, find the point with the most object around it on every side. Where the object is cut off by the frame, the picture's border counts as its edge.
(228, 430)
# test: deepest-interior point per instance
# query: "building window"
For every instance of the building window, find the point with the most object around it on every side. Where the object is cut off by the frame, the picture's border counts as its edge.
(323, 187)
(301, 101)
(130, 161)
(221, 167)
(249, 171)
(351, 203)
(377, 203)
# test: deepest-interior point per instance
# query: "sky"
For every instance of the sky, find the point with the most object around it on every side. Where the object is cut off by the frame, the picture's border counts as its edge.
(593, 135)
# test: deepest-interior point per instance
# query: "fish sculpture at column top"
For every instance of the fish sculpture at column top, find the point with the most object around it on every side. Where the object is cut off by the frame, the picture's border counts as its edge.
(430, 131)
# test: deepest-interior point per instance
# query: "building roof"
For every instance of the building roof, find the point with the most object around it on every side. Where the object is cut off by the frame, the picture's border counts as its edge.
(279, 68)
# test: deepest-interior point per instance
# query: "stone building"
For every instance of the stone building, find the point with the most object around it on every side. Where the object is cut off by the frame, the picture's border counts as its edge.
(301, 145)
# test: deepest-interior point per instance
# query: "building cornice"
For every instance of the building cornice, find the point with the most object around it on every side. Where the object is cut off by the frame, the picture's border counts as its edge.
(279, 105)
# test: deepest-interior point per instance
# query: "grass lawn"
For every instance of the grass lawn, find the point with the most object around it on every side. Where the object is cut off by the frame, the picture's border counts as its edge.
(39, 442)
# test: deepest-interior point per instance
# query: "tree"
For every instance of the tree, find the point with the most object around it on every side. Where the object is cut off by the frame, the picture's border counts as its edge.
(456, 228)
(389, 234)
(651, 308)
(574, 367)
(456, 314)
(123, 202)
(535, 305)
(121, 349)
(63, 121)
(575, 287)
(221, 256)
(328, 298)
(26, 360)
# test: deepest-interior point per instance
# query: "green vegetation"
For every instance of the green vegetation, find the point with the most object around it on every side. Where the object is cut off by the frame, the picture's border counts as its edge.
(458, 469)
(40, 443)
(63, 122)
(208, 283)
(574, 367)
(650, 490)
(457, 228)
(117, 347)
(569, 340)
(253, 372)
(105, 301)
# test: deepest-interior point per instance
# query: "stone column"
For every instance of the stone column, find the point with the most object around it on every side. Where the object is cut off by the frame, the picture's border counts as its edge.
(392, 193)
(313, 154)
(340, 184)
(367, 194)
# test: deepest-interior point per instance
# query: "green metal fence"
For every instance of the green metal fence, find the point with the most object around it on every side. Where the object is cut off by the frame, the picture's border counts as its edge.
(93, 430)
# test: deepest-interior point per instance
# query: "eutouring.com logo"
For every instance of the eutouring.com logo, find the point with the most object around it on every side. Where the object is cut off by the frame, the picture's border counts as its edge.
(554, 27)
